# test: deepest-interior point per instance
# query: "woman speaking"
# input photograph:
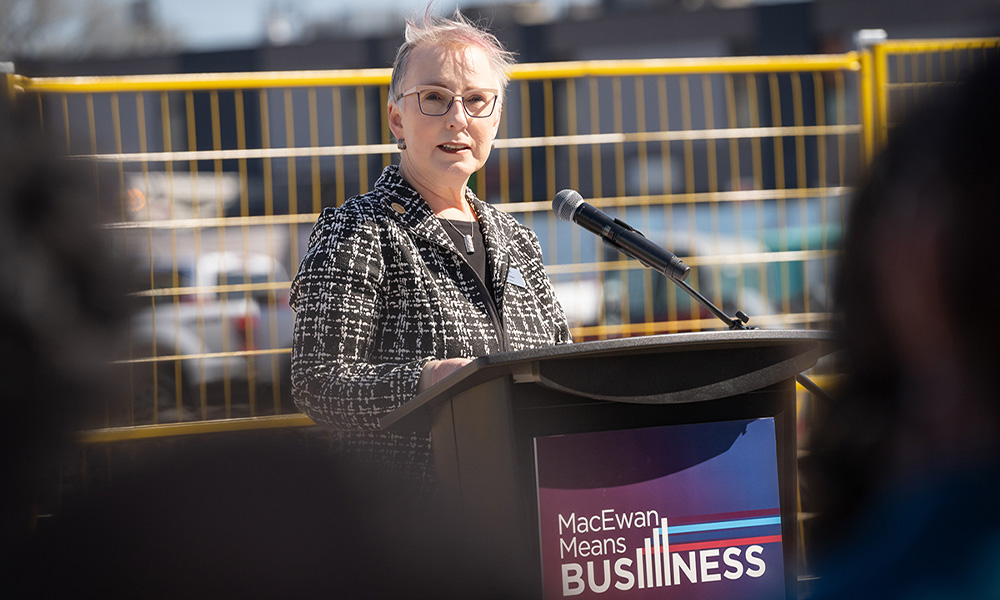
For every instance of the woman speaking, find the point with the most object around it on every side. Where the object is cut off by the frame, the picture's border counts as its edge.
(403, 285)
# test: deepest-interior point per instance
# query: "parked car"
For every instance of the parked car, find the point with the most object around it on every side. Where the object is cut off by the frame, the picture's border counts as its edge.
(212, 313)
(261, 279)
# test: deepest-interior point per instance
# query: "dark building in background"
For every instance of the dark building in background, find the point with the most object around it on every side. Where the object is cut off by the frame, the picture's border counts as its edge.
(615, 29)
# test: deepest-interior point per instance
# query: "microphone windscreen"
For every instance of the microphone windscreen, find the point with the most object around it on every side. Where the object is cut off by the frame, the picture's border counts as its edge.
(566, 203)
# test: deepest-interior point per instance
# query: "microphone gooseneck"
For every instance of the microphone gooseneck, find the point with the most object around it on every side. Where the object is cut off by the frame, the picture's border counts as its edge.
(570, 206)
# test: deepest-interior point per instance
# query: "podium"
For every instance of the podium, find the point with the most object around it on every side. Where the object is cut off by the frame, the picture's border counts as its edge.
(486, 419)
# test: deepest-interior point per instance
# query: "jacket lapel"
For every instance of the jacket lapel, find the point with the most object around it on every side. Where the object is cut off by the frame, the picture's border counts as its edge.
(411, 210)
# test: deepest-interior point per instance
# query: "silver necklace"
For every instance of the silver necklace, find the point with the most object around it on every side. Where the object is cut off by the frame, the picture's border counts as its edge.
(470, 248)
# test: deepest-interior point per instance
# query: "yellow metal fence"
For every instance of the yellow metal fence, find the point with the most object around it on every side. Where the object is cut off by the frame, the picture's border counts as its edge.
(741, 166)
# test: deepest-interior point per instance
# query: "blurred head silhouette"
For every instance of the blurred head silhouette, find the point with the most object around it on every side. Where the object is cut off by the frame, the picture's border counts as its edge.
(61, 308)
(245, 515)
(911, 449)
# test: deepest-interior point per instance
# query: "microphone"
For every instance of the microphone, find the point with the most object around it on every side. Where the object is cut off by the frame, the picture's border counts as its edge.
(569, 206)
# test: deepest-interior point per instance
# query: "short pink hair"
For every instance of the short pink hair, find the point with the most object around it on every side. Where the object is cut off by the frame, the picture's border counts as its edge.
(456, 31)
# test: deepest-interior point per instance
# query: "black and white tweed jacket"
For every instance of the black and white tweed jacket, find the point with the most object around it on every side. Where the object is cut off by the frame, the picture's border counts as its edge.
(382, 290)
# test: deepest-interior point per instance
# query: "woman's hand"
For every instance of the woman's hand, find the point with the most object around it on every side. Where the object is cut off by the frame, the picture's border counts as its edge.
(436, 370)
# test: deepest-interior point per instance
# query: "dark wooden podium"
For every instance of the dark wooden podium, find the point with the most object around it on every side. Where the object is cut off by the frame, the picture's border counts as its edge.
(484, 419)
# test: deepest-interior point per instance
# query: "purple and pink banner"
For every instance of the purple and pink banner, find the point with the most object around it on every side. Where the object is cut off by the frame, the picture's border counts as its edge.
(683, 511)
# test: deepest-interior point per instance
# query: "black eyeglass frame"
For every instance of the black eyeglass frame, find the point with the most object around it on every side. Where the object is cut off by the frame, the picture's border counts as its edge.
(425, 88)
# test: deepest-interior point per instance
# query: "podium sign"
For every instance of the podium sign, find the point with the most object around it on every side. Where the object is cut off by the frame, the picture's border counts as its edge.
(683, 511)
(524, 440)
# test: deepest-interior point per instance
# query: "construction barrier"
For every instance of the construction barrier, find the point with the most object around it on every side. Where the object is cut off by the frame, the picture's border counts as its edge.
(743, 167)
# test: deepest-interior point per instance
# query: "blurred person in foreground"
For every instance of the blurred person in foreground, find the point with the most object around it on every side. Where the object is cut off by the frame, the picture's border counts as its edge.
(228, 515)
(905, 468)
(404, 285)
(62, 313)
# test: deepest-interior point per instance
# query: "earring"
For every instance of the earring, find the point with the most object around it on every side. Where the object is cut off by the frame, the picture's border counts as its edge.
(493, 145)
(401, 144)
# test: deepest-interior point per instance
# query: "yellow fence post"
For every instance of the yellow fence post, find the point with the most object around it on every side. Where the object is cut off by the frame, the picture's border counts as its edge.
(880, 96)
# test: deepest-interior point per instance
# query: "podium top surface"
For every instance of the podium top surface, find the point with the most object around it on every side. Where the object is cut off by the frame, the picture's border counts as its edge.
(658, 369)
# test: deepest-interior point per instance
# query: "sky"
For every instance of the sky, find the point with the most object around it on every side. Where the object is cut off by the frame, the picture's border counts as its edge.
(229, 24)
(217, 24)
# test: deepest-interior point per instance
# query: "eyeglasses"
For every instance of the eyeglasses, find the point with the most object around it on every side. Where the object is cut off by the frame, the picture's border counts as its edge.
(436, 101)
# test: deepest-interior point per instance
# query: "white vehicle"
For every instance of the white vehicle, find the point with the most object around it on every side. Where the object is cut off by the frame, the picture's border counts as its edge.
(258, 279)
(223, 314)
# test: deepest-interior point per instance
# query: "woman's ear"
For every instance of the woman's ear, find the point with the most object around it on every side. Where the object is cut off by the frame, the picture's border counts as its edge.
(395, 117)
